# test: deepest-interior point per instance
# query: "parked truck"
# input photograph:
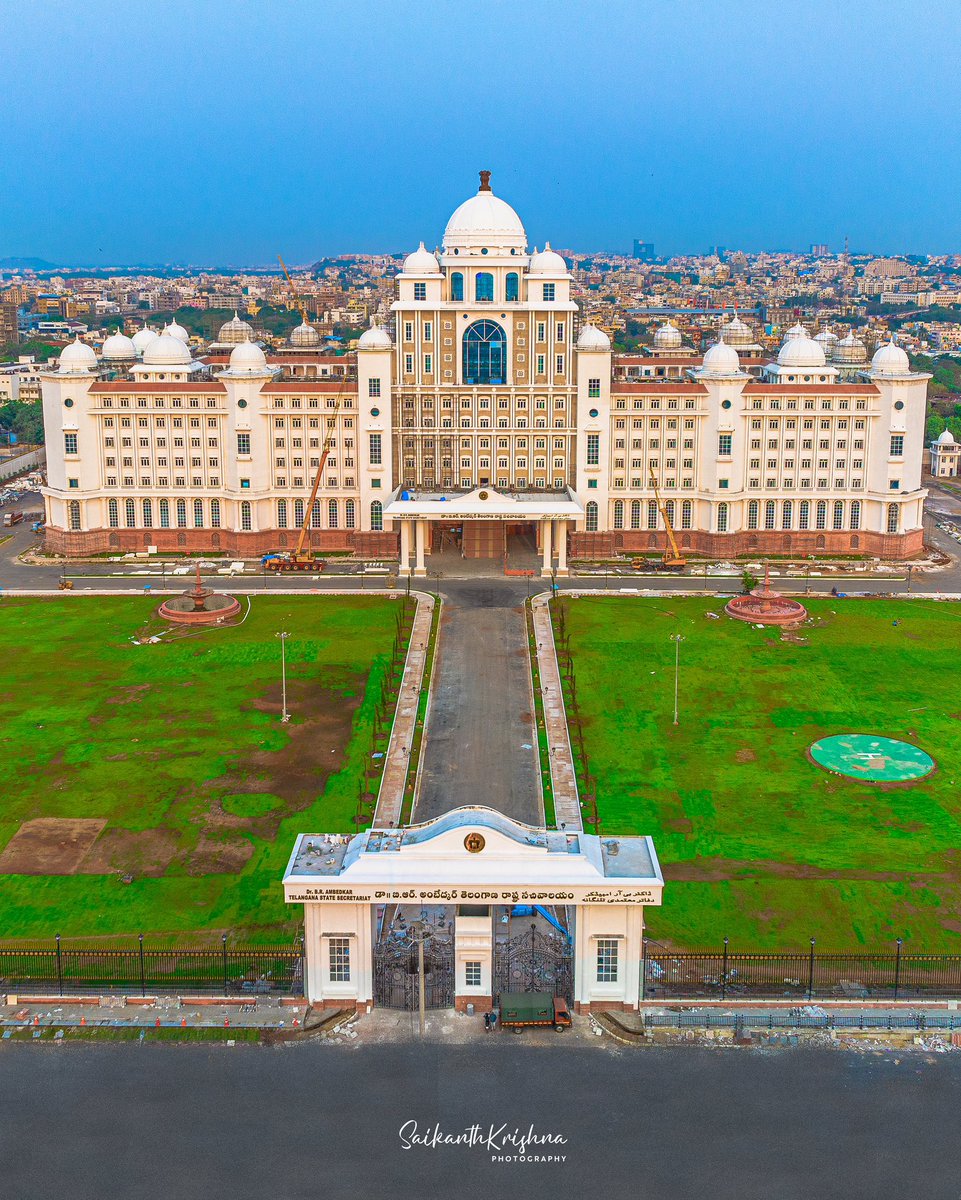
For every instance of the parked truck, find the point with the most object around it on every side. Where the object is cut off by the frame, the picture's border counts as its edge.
(11, 518)
(520, 1009)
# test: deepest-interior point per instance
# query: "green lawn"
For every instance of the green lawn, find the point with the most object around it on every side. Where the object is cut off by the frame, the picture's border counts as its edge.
(758, 844)
(178, 747)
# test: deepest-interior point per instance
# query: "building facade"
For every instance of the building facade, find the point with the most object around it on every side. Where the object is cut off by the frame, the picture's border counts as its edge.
(487, 410)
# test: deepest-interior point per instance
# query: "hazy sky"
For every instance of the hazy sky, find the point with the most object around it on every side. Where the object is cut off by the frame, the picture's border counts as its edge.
(225, 132)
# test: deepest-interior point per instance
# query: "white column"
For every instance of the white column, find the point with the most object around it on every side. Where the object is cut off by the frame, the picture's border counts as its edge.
(562, 547)
(420, 528)
(546, 547)
(405, 547)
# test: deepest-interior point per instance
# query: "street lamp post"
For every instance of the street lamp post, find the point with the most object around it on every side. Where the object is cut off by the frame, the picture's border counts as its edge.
(283, 673)
(676, 639)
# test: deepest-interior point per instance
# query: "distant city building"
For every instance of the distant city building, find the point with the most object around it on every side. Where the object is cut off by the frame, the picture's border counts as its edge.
(819, 249)
(644, 250)
(9, 330)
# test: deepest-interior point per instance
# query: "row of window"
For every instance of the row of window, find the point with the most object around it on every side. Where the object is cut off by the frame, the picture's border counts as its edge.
(180, 513)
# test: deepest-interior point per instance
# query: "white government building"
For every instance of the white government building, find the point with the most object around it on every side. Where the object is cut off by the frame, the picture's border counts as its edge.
(490, 413)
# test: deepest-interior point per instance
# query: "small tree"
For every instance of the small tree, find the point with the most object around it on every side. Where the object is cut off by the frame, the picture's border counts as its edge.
(748, 581)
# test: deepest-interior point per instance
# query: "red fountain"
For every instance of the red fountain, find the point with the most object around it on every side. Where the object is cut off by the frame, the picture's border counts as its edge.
(199, 606)
(764, 606)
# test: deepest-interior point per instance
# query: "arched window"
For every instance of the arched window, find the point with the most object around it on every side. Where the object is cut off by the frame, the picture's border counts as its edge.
(245, 518)
(669, 510)
(215, 514)
(687, 509)
(591, 516)
(376, 515)
(511, 288)
(652, 514)
(181, 514)
(74, 514)
(198, 514)
(838, 514)
(281, 514)
(618, 514)
(457, 286)
(855, 514)
(299, 514)
(348, 514)
(787, 514)
(822, 514)
(331, 514)
(770, 514)
(147, 514)
(722, 518)
(892, 518)
(130, 513)
(485, 353)
(635, 514)
(113, 515)
(316, 520)
(484, 286)
(164, 514)
(752, 512)
(804, 515)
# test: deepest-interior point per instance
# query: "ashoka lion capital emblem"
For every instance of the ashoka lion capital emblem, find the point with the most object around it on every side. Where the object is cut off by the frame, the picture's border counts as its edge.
(474, 842)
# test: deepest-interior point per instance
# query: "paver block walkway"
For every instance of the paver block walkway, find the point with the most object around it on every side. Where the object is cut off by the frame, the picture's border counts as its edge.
(567, 807)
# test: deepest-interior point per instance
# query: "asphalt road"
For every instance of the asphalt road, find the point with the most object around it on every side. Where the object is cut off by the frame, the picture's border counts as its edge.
(322, 1121)
(480, 729)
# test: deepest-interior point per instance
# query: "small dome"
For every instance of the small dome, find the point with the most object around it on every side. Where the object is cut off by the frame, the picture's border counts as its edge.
(946, 438)
(737, 333)
(547, 262)
(421, 262)
(796, 331)
(668, 337)
(118, 346)
(177, 331)
(800, 352)
(721, 359)
(248, 359)
(592, 338)
(142, 338)
(485, 221)
(304, 336)
(78, 356)
(374, 338)
(850, 350)
(890, 359)
(166, 351)
(826, 340)
(234, 331)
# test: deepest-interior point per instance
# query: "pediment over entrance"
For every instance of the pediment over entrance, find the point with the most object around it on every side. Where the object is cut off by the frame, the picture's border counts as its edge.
(481, 502)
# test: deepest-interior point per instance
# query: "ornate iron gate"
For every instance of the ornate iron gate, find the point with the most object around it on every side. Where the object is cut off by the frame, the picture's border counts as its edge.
(396, 974)
(535, 962)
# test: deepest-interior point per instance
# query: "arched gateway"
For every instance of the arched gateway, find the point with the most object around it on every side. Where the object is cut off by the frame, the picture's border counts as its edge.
(474, 865)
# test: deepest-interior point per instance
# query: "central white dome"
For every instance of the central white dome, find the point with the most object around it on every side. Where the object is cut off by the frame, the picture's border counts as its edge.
(485, 222)
(118, 346)
(801, 351)
(166, 351)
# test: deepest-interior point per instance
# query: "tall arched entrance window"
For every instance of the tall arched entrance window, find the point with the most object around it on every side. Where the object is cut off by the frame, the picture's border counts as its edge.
(485, 353)
(590, 516)
(484, 286)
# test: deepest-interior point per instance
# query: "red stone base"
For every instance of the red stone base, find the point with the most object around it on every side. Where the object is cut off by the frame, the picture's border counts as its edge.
(604, 1006)
(482, 1004)
(758, 542)
(366, 544)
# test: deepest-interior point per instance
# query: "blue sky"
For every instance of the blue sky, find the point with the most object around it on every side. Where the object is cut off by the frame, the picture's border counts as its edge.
(216, 132)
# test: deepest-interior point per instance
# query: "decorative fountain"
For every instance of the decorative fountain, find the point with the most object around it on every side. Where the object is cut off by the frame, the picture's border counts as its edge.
(764, 606)
(199, 605)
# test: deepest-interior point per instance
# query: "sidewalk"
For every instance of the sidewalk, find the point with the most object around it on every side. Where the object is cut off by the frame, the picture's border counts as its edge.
(567, 807)
(142, 1012)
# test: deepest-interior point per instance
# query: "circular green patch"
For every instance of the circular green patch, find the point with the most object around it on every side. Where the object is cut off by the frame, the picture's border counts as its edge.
(871, 758)
(250, 804)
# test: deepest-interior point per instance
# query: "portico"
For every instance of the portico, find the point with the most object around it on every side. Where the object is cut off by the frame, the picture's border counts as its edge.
(476, 861)
(552, 513)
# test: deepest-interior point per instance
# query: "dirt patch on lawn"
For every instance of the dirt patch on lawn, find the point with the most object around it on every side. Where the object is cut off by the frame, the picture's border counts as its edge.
(224, 856)
(129, 695)
(745, 756)
(131, 851)
(50, 846)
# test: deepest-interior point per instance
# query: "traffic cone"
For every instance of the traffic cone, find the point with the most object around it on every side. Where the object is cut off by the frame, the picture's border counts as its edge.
(226, 1022)
(296, 1023)
(158, 1022)
(83, 1020)
(183, 1022)
(36, 1020)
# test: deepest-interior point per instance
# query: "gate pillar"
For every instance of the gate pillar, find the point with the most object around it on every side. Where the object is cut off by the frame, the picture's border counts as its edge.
(339, 948)
(473, 957)
(607, 957)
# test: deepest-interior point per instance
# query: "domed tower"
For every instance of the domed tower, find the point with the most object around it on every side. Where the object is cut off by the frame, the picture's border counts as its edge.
(304, 337)
(234, 332)
(667, 339)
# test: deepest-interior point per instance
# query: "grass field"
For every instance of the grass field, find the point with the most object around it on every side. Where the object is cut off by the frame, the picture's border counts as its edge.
(757, 843)
(168, 762)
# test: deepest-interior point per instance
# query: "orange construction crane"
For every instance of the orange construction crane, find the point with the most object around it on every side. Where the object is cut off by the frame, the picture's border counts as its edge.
(672, 559)
(298, 303)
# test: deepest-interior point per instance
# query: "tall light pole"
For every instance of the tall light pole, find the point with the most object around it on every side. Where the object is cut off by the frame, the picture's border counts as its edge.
(676, 639)
(283, 674)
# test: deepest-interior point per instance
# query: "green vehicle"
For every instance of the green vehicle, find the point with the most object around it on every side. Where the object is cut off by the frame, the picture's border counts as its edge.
(518, 1009)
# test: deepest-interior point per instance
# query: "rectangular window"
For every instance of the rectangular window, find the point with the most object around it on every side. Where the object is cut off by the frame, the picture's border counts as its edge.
(593, 389)
(897, 445)
(558, 364)
(420, 291)
(375, 450)
(373, 388)
(243, 443)
(548, 292)
(339, 951)
(70, 443)
(428, 364)
(472, 974)
(593, 449)
(408, 364)
(724, 444)
(607, 960)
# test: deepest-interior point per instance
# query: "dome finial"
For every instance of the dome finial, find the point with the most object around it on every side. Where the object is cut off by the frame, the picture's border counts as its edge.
(485, 181)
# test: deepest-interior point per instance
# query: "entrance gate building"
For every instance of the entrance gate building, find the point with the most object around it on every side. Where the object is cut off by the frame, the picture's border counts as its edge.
(476, 863)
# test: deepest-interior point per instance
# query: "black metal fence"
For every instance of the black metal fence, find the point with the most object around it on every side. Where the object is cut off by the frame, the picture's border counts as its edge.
(139, 969)
(805, 975)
